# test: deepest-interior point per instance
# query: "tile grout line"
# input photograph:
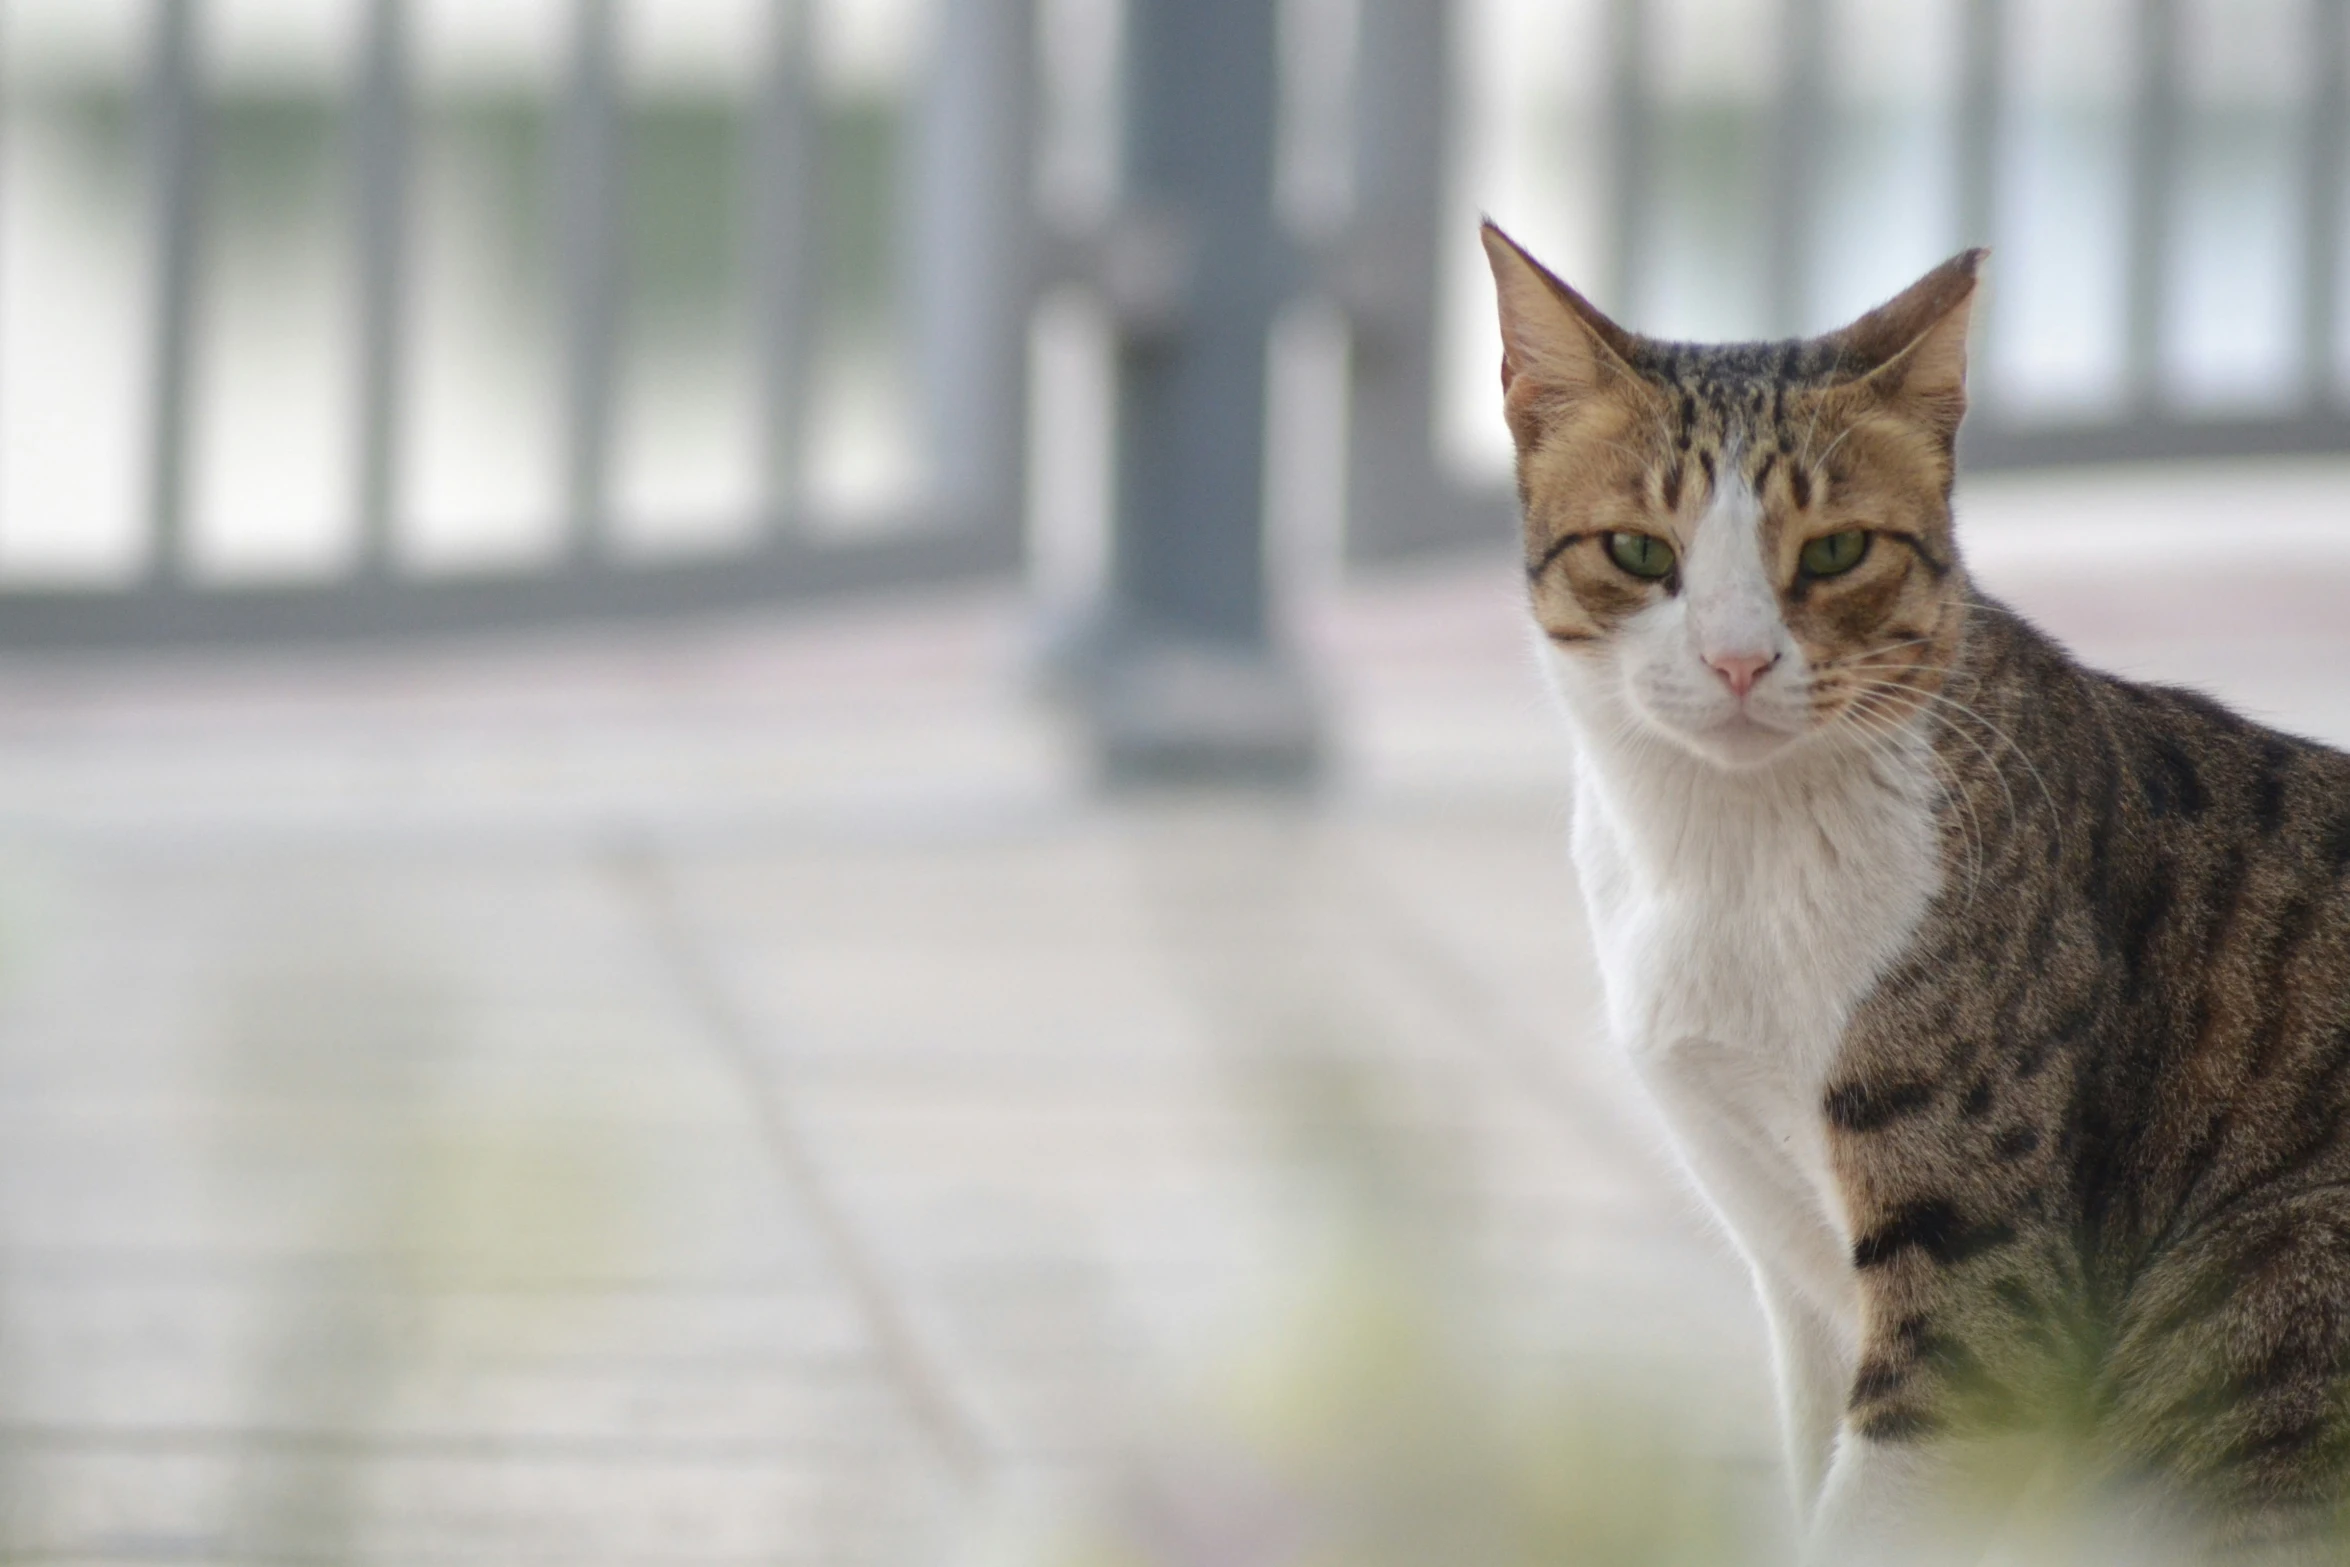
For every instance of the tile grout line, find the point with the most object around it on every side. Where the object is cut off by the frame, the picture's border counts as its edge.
(952, 1430)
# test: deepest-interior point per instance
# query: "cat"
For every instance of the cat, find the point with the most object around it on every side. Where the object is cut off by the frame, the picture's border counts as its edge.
(1998, 1007)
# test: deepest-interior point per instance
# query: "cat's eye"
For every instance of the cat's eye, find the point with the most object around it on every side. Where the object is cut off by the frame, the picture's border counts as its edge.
(1836, 554)
(1644, 555)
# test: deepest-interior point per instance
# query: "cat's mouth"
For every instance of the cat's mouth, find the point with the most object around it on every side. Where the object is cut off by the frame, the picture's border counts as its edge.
(1741, 739)
(1750, 736)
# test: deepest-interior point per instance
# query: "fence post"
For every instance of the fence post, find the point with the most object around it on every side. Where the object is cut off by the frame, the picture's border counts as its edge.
(1184, 678)
(1798, 141)
(2154, 115)
(175, 131)
(1631, 131)
(1982, 106)
(2321, 265)
(1388, 276)
(593, 185)
(973, 158)
(381, 133)
(782, 207)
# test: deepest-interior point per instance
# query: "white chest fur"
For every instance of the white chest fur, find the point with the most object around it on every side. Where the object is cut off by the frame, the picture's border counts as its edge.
(1740, 916)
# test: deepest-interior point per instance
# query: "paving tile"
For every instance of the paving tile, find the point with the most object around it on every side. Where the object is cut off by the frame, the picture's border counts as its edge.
(732, 1095)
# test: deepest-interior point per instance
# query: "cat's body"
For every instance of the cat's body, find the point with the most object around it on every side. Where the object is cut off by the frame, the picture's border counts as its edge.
(2001, 1008)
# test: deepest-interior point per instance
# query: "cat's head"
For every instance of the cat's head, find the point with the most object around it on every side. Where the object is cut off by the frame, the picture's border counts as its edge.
(1740, 549)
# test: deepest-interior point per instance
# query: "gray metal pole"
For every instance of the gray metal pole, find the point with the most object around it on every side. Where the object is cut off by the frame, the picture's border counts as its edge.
(591, 161)
(380, 135)
(1800, 113)
(973, 151)
(1981, 131)
(1386, 272)
(175, 137)
(1981, 115)
(2153, 178)
(1187, 679)
(1629, 153)
(2321, 278)
(782, 206)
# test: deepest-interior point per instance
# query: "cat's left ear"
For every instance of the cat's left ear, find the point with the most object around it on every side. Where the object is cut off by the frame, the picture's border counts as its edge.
(1911, 352)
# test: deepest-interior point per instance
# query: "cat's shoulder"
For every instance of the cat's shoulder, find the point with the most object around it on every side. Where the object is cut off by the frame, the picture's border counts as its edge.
(2193, 757)
(2188, 751)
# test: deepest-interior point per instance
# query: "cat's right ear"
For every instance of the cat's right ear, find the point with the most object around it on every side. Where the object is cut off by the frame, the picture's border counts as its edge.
(1557, 350)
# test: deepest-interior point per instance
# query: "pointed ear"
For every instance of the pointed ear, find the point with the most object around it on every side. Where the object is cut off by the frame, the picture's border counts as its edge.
(1912, 350)
(1556, 348)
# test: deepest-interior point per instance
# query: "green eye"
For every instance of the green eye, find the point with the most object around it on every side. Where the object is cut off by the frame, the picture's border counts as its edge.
(1642, 554)
(1836, 554)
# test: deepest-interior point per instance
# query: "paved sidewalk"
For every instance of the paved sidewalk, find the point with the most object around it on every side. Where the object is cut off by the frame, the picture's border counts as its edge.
(732, 1098)
(733, 1095)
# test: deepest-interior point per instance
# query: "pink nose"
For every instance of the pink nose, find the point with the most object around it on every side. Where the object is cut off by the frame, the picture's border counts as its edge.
(1742, 670)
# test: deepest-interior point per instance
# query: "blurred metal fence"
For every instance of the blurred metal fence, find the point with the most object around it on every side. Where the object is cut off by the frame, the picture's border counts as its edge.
(1401, 500)
(966, 231)
(983, 251)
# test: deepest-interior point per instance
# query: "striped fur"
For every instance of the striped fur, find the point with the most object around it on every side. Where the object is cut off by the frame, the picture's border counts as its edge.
(2036, 1129)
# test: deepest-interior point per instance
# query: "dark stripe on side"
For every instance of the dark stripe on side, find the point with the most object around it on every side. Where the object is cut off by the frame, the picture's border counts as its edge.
(2268, 792)
(2013, 1293)
(1934, 1227)
(2334, 844)
(1892, 1426)
(2144, 919)
(1876, 1380)
(2171, 784)
(2296, 1439)
(2218, 1285)
(2015, 1143)
(1863, 1107)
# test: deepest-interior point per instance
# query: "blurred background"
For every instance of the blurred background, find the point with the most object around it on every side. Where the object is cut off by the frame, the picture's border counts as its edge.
(769, 789)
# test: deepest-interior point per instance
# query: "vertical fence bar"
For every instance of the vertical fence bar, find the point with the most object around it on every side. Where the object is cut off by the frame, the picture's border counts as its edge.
(1630, 146)
(2153, 175)
(2321, 261)
(1797, 144)
(1982, 105)
(1980, 130)
(5, 62)
(971, 163)
(783, 282)
(383, 144)
(592, 174)
(175, 137)
(1388, 269)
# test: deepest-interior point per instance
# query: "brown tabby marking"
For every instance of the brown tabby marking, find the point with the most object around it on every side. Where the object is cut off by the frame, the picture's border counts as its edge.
(2091, 1131)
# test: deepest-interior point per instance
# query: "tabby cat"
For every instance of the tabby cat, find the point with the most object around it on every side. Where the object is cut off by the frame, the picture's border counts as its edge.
(1999, 1007)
